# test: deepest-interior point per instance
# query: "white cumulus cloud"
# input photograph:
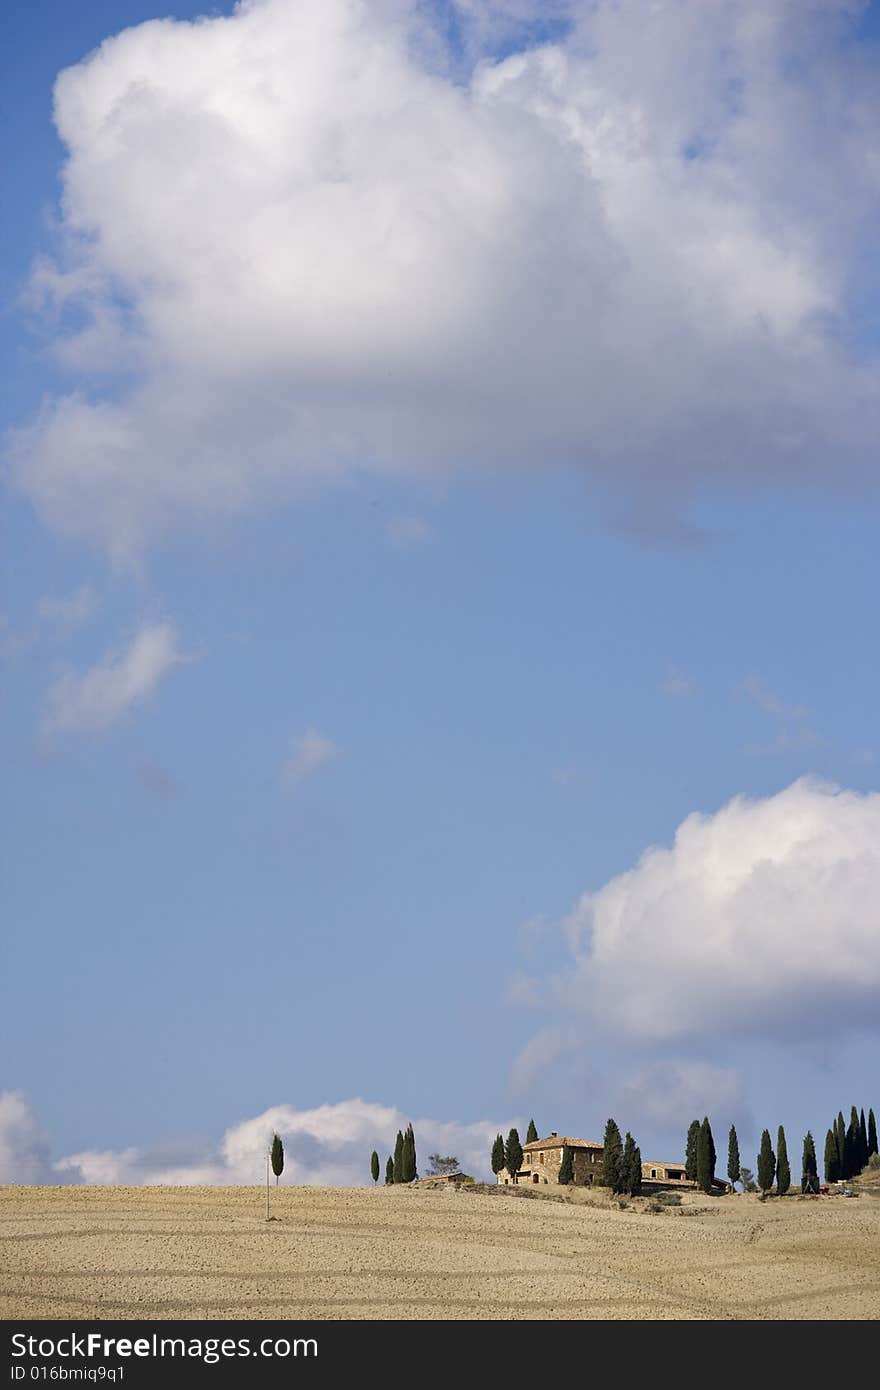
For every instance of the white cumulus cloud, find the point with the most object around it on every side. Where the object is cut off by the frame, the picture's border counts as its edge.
(305, 238)
(96, 699)
(762, 919)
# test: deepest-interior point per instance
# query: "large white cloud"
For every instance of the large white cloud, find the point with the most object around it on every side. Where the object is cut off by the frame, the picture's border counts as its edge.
(299, 240)
(24, 1149)
(328, 1145)
(761, 920)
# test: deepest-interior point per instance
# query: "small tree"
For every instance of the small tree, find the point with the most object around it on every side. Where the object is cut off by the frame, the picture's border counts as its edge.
(872, 1134)
(612, 1160)
(832, 1162)
(398, 1158)
(389, 1171)
(690, 1151)
(513, 1154)
(498, 1159)
(566, 1168)
(374, 1166)
(734, 1168)
(706, 1157)
(531, 1132)
(747, 1178)
(809, 1166)
(277, 1157)
(441, 1165)
(766, 1163)
(783, 1168)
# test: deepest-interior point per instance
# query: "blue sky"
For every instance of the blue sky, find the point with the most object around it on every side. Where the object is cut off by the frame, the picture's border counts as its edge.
(433, 584)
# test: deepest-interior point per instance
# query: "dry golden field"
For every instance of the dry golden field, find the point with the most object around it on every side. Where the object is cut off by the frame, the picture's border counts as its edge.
(203, 1252)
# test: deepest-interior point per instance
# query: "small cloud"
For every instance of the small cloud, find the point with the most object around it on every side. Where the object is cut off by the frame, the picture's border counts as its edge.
(311, 751)
(405, 532)
(677, 684)
(92, 702)
(156, 781)
(69, 611)
(766, 699)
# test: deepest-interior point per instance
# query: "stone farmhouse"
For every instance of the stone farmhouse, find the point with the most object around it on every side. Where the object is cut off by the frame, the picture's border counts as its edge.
(542, 1160)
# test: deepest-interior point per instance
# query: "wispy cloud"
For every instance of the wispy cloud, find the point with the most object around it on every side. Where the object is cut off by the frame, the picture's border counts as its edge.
(677, 684)
(310, 751)
(101, 696)
(756, 690)
(69, 611)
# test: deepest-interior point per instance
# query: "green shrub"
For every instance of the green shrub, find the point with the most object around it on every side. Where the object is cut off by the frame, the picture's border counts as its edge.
(668, 1199)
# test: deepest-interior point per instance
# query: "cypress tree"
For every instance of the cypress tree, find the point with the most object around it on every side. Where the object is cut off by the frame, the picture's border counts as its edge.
(809, 1167)
(841, 1146)
(783, 1169)
(612, 1159)
(409, 1155)
(566, 1168)
(872, 1134)
(734, 1168)
(389, 1171)
(513, 1154)
(398, 1158)
(832, 1162)
(374, 1166)
(851, 1145)
(690, 1151)
(497, 1155)
(766, 1163)
(277, 1157)
(863, 1140)
(706, 1157)
(631, 1167)
(531, 1132)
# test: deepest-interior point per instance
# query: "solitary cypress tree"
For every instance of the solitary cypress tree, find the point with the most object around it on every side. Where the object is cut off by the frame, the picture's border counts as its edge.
(809, 1167)
(612, 1160)
(734, 1167)
(690, 1152)
(566, 1168)
(277, 1157)
(389, 1171)
(872, 1133)
(863, 1140)
(497, 1155)
(531, 1132)
(832, 1162)
(398, 1158)
(840, 1131)
(766, 1163)
(630, 1167)
(513, 1154)
(705, 1156)
(783, 1168)
(374, 1166)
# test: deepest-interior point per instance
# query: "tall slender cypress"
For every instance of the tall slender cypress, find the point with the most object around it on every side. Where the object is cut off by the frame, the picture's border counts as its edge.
(872, 1134)
(389, 1171)
(566, 1167)
(840, 1131)
(766, 1163)
(374, 1166)
(863, 1140)
(706, 1157)
(851, 1145)
(612, 1158)
(832, 1161)
(398, 1157)
(734, 1168)
(409, 1156)
(277, 1157)
(783, 1168)
(531, 1132)
(631, 1167)
(497, 1155)
(809, 1166)
(690, 1151)
(513, 1154)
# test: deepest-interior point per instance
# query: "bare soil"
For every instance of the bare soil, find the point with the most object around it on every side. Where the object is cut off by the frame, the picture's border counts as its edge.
(209, 1252)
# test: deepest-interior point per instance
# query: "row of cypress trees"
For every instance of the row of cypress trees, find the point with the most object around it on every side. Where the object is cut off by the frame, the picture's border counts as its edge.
(621, 1162)
(402, 1167)
(700, 1156)
(848, 1149)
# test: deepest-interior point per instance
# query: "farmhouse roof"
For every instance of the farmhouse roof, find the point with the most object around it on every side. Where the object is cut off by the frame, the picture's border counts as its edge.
(557, 1141)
